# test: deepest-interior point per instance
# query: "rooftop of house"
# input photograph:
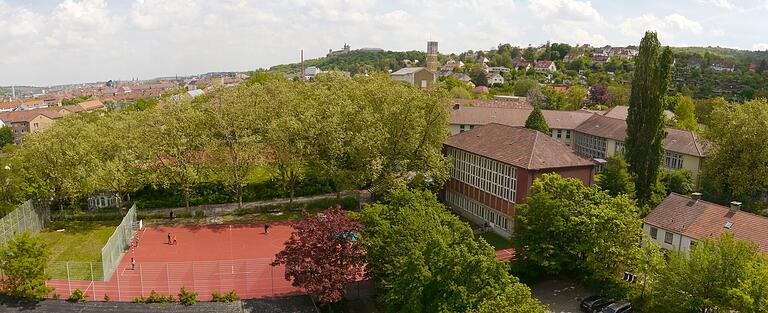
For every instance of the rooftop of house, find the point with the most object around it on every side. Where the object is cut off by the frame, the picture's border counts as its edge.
(28, 115)
(509, 103)
(408, 70)
(479, 115)
(622, 111)
(543, 64)
(677, 140)
(517, 146)
(700, 219)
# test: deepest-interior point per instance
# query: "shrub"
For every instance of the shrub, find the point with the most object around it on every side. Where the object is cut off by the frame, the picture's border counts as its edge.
(56, 296)
(187, 297)
(77, 295)
(226, 297)
(199, 214)
(139, 300)
(155, 297)
(23, 262)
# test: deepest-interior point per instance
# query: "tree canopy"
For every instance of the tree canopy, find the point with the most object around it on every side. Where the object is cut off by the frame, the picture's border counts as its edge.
(645, 122)
(23, 261)
(536, 121)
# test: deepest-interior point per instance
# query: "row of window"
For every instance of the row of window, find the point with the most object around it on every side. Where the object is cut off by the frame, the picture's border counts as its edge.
(558, 133)
(475, 208)
(491, 176)
(591, 146)
(668, 236)
(463, 128)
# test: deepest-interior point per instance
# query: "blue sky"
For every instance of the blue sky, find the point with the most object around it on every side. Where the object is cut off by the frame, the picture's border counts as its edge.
(72, 41)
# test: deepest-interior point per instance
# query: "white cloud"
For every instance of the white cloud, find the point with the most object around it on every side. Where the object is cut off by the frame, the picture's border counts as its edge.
(760, 46)
(572, 34)
(669, 27)
(565, 9)
(157, 14)
(723, 4)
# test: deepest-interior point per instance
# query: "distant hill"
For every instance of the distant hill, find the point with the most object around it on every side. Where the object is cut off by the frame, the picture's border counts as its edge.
(358, 61)
(719, 53)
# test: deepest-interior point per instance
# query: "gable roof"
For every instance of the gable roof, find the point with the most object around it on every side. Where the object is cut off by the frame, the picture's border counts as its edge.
(28, 115)
(520, 147)
(606, 127)
(700, 219)
(408, 70)
(622, 111)
(516, 103)
(479, 115)
(91, 105)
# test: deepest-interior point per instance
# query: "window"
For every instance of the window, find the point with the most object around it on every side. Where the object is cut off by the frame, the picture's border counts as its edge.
(619, 147)
(35, 125)
(654, 232)
(471, 126)
(591, 146)
(673, 160)
(485, 213)
(693, 244)
(559, 133)
(567, 134)
(668, 237)
(423, 84)
(462, 128)
(491, 176)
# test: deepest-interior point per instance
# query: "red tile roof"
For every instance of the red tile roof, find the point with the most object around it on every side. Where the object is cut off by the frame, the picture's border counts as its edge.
(516, 117)
(513, 103)
(622, 111)
(520, 147)
(700, 219)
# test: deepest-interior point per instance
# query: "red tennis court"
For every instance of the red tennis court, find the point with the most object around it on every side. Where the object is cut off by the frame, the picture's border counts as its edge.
(205, 259)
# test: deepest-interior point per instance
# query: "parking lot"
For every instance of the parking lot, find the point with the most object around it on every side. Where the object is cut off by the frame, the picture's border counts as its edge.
(562, 296)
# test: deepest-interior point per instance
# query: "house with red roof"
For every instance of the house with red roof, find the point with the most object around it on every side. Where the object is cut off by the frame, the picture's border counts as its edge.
(494, 166)
(679, 222)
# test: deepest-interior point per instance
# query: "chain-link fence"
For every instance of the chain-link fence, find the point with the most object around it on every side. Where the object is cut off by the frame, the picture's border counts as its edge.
(31, 216)
(249, 278)
(119, 242)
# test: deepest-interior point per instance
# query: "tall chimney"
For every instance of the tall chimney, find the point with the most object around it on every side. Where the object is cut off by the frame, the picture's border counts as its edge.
(735, 206)
(301, 75)
(696, 196)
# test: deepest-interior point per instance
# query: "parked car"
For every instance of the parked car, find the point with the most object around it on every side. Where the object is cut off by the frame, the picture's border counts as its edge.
(618, 307)
(595, 303)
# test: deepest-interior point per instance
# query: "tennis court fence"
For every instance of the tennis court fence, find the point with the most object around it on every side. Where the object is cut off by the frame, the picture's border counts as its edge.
(118, 243)
(31, 216)
(249, 278)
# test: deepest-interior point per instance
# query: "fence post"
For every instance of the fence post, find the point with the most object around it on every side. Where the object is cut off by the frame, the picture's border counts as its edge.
(69, 282)
(92, 282)
(272, 278)
(119, 295)
(167, 278)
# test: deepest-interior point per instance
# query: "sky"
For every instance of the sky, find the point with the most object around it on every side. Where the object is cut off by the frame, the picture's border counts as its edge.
(49, 42)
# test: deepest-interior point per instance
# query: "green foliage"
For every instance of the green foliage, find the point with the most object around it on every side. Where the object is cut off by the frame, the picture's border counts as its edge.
(6, 136)
(645, 122)
(76, 100)
(154, 297)
(565, 227)
(426, 260)
(575, 98)
(679, 181)
(460, 93)
(752, 293)
(685, 116)
(616, 179)
(536, 121)
(734, 167)
(77, 296)
(226, 297)
(187, 297)
(22, 262)
(477, 73)
(522, 86)
(711, 279)
(705, 107)
(355, 62)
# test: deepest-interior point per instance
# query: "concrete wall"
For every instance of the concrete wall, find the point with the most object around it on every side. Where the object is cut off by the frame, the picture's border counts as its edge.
(679, 242)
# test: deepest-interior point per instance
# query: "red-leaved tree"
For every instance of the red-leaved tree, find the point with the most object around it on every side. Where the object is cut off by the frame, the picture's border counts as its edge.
(324, 254)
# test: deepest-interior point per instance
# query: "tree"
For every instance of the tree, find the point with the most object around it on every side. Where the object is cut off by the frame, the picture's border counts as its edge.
(536, 98)
(6, 136)
(460, 93)
(598, 95)
(616, 179)
(685, 116)
(478, 75)
(324, 254)
(536, 121)
(752, 293)
(706, 280)
(236, 139)
(426, 260)
(575, 98)
(645, 122)
(735, 171)
(119, 165)
(679, 181)
(705, 107)
(175, 142)
(566, 227)
(23, 261)
(522, 86)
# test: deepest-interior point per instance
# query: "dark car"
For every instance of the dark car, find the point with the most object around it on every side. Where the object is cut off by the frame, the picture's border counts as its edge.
(595, 303)
(618, 307)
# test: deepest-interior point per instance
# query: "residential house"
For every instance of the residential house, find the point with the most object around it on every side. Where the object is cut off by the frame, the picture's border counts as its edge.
(498, 69)
(494, 166)
(494, 78)
(501, 102)
(311, 72)
(106, 199)
(600, 58)
(723, 66)
(679, 222)
(417, 76)
(601, 137)
(463, 77)
(572, 55)
(29, 121)
(545, 66)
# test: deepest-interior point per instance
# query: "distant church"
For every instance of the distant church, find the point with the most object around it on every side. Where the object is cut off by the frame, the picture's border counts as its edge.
(344, 50)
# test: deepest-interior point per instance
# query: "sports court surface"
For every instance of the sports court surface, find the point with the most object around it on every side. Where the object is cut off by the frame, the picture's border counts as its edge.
(205, 259)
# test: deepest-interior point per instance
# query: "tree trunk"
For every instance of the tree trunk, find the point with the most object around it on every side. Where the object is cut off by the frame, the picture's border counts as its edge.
(239, 196)
(186, 197)
(293, 185)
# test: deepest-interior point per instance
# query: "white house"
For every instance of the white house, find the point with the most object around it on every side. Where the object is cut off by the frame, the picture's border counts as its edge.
(679, 222)
(494, 78)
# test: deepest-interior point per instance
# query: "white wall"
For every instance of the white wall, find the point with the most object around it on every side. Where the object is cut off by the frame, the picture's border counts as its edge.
(679, 242)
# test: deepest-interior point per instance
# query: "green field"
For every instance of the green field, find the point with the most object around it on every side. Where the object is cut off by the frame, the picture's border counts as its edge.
(79, 244)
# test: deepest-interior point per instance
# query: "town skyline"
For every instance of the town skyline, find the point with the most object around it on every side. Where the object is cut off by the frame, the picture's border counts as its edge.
(96, 40)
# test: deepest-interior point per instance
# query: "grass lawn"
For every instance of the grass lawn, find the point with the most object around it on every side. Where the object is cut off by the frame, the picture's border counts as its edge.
(79, 243)
(498, 242)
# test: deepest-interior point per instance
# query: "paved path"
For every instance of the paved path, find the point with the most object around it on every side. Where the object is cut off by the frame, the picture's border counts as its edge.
(562, 296)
